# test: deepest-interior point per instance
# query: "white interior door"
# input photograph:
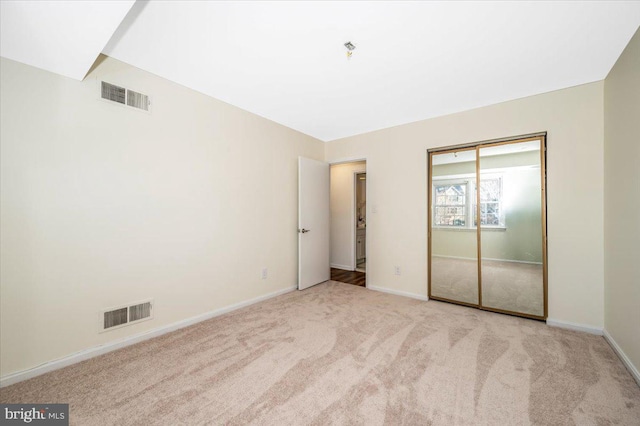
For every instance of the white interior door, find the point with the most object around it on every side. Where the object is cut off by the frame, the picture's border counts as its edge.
(313, 222)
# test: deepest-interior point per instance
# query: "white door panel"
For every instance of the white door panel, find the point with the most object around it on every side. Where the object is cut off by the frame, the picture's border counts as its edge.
(313, 222)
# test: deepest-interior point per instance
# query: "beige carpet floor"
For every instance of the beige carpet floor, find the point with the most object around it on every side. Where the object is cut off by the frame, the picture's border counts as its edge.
(511, 286)
(342, 354)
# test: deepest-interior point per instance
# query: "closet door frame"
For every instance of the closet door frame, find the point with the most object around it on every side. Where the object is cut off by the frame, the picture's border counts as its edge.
(542, 137)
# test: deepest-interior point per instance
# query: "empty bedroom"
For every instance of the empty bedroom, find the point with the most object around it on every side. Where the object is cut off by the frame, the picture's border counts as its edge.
(300, 212)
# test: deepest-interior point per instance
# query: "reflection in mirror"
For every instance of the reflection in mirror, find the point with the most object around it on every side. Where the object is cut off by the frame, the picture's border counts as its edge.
(454, 255)
(511, 227)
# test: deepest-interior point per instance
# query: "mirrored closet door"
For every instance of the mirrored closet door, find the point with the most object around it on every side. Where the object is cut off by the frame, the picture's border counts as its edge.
(454, 243)
(487, 226)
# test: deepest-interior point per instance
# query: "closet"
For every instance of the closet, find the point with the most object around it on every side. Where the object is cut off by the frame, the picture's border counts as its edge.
(487, 226)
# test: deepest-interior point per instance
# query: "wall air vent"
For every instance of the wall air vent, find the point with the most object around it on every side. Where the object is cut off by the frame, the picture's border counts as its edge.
(124, 96)
(138, 312)
(115, 318)
(113, 93)
(137, 100)
(121, 316)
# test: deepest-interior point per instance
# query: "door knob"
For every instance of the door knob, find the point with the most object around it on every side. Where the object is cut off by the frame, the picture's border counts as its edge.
(304, 231)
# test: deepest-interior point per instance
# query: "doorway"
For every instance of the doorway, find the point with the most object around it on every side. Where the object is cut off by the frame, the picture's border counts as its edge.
(348, 207)
(487, 226)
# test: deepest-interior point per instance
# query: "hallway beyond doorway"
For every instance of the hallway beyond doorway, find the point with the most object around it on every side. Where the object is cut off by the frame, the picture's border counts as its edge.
(349, 277)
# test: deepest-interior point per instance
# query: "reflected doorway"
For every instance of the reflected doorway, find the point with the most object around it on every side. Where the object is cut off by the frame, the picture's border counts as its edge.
(360, 218)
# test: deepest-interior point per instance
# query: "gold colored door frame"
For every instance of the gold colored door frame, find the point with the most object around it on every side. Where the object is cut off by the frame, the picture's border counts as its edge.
(478, 223)
(542, 137)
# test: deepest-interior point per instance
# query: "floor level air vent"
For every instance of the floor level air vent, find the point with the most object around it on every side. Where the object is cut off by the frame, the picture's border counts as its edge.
(124, 96)
(115, 318)
(138, 312)
(119, 317)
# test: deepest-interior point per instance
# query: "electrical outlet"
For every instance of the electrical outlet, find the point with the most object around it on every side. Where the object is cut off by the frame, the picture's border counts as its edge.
(265, 273)
(397, 270)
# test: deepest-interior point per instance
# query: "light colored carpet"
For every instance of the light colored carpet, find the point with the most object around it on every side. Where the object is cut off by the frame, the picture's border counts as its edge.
(341, 354)
(511, 286)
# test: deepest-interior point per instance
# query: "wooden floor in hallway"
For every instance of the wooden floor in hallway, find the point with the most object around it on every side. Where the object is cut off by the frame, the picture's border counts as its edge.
(349, 277)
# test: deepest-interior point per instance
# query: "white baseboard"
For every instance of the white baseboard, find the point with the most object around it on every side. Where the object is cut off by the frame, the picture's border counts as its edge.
(345, 267)
(19, 376)
(399, 293)
(575, 327)
(623, 357)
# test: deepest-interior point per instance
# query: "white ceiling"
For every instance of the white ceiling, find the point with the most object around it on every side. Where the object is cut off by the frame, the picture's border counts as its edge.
(64, 37)
(414, 60)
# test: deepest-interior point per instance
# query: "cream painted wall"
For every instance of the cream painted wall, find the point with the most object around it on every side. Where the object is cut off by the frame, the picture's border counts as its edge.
(103, 205)
(397, 189)
(342, 213)
(622, 201)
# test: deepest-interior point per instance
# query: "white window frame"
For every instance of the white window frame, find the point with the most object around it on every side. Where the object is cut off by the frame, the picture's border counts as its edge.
(462, 181)
(470, 203)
